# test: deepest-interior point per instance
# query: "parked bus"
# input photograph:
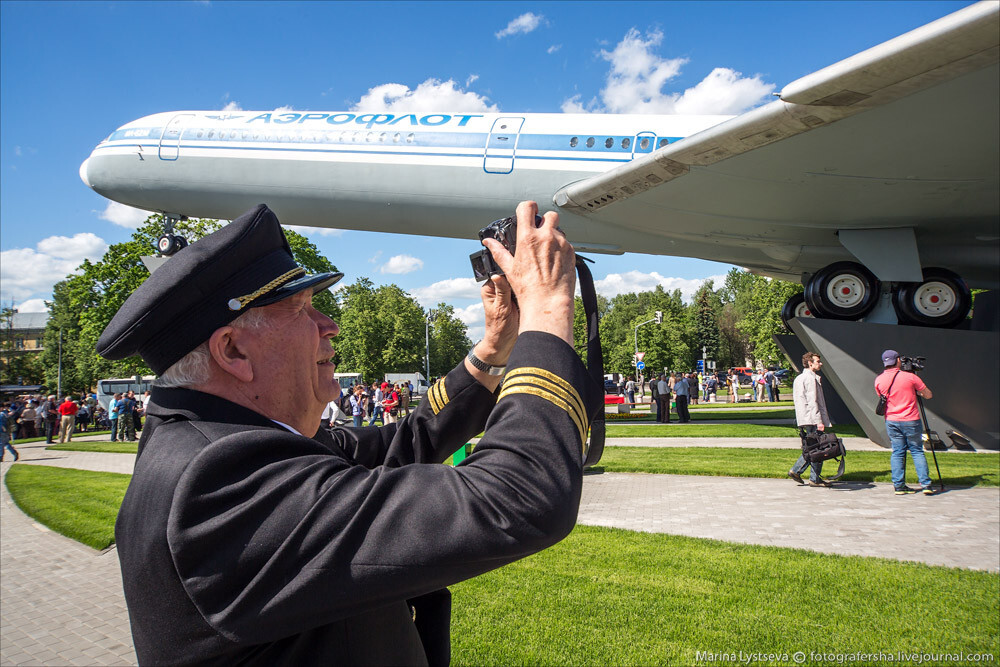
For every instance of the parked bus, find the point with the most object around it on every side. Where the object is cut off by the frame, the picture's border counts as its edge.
(106, 389)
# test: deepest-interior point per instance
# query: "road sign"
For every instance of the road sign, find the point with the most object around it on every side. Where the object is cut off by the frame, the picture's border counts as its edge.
(641, 365)
(701, 364)
(640, 355)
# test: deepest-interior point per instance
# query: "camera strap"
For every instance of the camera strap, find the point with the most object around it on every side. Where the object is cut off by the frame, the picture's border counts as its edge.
(595, 358)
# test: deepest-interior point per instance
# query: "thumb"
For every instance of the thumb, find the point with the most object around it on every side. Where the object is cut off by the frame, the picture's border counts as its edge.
(502, 288)
(501, 256)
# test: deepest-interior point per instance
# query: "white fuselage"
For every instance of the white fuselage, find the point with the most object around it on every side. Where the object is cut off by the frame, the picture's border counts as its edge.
(431, 174)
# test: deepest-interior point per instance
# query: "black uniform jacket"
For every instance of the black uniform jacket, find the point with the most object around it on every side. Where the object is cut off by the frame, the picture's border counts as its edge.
(243, 543)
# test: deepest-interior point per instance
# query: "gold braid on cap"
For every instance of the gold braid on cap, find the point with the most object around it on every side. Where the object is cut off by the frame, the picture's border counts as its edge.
(240, 302)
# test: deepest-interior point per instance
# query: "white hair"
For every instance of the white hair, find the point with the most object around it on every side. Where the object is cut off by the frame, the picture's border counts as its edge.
(193, 368)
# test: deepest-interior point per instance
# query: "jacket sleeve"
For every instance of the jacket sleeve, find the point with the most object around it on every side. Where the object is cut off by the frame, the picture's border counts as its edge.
(270, 533)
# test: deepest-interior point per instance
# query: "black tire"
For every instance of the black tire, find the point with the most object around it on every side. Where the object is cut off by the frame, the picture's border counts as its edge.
(167, 245)
(181, 242)
(842, 291)
(942, 299)
(796, 306)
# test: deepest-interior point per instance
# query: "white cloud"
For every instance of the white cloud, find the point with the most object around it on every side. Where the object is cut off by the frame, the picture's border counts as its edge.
(471, 80)
(446, 290)
(552, 49)
(524, 23)
(431, 95)
(374, 258)
(637, 77)
(402, 264)
(32, 306)
(318, 231)
(232, 106)
(474, 319)
(124, 216)
(636, 281)
(27, 273)
(284, 109)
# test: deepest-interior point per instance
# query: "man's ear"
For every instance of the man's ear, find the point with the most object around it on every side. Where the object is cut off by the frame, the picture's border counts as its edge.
(229, 353)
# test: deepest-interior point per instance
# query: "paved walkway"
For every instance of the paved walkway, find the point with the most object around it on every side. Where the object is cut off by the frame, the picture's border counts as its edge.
(61, 603)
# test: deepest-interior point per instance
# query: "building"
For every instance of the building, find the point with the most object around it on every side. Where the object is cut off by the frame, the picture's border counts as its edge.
(24, 332)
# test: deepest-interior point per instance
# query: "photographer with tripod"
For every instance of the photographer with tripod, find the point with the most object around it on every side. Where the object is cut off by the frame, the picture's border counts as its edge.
(899, 386)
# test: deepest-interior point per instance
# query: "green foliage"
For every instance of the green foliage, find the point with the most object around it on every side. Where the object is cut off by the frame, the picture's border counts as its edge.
(757, 302)
(448, 340)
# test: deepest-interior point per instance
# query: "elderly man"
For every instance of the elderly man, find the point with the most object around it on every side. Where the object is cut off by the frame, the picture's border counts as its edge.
(250, 535)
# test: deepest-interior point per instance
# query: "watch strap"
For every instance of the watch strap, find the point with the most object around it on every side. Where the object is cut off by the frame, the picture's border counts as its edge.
(482, 365)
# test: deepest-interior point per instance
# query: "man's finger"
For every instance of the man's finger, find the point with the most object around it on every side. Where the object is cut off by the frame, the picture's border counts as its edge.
(500, 255)
(501, 286)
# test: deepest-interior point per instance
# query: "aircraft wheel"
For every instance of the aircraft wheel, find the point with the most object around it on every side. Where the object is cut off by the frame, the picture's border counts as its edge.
(941, 300)
(168, 244)
(842, 291)
(796, 306)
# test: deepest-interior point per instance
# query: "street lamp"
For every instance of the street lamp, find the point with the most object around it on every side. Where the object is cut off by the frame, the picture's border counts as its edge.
(659, 320)
(427, 342)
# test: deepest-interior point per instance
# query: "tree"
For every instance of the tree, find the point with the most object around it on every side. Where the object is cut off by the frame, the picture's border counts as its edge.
(381, 330)
(448, 338)
(757, 301)
(704, 311)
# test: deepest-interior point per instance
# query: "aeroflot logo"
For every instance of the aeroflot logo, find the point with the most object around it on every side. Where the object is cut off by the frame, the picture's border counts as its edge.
(367, 119)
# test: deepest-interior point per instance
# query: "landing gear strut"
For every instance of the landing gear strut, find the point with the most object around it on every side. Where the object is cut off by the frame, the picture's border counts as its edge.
(170, 243)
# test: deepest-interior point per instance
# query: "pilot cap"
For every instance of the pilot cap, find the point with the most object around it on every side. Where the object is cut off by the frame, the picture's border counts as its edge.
(205, 286)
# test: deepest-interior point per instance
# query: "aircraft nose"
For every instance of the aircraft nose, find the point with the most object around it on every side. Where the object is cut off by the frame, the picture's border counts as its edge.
(83, 174)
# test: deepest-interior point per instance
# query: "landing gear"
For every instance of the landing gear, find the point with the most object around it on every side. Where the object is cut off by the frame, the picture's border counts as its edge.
(796, 306)
(170, 243)
(842, 291)
(942, 299)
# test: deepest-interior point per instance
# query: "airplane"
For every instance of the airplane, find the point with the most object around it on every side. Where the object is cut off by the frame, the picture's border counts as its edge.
(875, 182)
(895, 147)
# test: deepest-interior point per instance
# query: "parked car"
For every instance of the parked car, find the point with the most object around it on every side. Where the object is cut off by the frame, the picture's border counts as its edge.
(610, 387)
(783, 374)
(744, 373)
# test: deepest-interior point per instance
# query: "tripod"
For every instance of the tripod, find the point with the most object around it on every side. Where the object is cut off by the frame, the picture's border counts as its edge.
(927, 430)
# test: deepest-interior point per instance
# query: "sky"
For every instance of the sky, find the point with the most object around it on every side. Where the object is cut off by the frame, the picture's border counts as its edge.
(72, 72)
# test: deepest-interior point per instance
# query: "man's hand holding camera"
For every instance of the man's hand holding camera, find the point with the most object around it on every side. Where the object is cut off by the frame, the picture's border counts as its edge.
(542, 273)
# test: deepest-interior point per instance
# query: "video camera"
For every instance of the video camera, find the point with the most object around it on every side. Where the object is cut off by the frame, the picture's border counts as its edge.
(504, 231)
(911, 364)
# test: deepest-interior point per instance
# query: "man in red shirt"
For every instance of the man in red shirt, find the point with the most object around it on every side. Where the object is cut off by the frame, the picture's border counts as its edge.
(902, 421)
(67, 409)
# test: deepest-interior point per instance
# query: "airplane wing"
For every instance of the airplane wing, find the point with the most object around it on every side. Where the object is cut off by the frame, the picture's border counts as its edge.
(901, 136)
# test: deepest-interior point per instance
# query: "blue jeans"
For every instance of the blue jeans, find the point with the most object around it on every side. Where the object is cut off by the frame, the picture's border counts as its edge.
(358, 421)
(801, 465)
(905, 436)
(377, 414)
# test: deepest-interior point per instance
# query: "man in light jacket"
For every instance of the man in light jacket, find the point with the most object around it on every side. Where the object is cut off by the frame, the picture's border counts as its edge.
(810, 414)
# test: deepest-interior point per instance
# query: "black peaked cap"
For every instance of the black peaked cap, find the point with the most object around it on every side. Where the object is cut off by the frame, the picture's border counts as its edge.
(205, 286)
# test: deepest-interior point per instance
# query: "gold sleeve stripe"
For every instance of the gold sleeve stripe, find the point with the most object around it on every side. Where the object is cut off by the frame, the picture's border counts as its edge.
(579, 415)
(555, 400)
(438, 396)
(568, 391)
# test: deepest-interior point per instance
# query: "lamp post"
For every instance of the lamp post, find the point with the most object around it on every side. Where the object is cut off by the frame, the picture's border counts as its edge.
(659, 320)
(427, 342)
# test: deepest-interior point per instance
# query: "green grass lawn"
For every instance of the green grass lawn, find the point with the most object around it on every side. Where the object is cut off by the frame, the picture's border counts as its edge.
(104, 446)
(957, 468)
(22, 441)
(625, 430)
(615, 597)
(79, 504)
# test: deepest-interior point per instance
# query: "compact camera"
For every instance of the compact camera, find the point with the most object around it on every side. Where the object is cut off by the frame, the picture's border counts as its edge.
(504, 231)
(911, 364)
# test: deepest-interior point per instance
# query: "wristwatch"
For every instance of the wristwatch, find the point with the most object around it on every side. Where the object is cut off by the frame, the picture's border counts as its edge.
(482, 365)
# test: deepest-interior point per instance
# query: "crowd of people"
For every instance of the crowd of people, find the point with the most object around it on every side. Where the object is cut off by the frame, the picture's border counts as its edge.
(384, 402)
(35, 416)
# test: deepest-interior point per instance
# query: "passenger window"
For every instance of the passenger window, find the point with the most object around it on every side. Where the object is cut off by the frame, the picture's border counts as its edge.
(590, 142)
(644, 144)
(662, 143)
(609, 142)
(395, 138)
(409, 138)
(573, 142)
(626, 143)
